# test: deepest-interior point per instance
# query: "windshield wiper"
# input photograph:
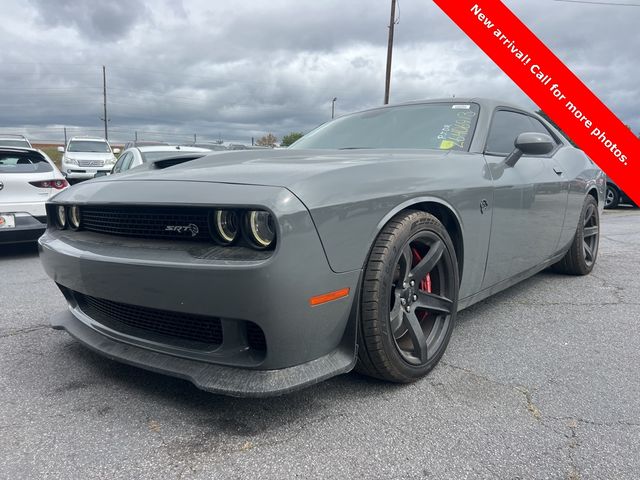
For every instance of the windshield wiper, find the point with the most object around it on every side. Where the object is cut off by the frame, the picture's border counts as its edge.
(354, 148)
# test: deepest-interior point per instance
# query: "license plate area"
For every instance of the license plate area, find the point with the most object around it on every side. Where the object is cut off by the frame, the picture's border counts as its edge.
(7, 220)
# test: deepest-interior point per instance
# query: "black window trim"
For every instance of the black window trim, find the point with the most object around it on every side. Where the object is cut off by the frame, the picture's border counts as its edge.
(559, 142)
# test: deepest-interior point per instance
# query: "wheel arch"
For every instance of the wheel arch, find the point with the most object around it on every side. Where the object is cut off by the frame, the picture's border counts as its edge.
(443, 212)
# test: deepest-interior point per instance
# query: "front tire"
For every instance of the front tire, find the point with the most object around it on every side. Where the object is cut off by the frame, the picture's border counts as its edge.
(581, 257)
(409, 299)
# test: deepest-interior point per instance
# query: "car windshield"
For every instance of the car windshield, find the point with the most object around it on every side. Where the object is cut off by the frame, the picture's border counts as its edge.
(23, 162)
(14, 142)
(88, 146)
(442, 126)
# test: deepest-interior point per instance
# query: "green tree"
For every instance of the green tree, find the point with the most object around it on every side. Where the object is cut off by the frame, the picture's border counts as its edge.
(269, 140)
(289, 139)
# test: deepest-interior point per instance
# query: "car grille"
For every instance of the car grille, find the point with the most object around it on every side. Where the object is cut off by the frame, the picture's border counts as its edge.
(148, 222)
(171, 327)
(90, 163)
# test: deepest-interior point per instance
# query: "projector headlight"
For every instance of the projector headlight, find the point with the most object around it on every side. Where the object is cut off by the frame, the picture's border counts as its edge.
(226, 226)
(61, 217)
(260, 228)
(74, 217)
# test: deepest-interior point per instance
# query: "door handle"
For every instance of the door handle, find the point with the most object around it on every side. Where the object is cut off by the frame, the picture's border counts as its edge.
(558, 171)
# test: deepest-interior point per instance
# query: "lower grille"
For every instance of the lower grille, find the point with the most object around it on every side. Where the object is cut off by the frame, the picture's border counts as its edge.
(173, 327)
(90, 163)
(148, 222)
(255, 337)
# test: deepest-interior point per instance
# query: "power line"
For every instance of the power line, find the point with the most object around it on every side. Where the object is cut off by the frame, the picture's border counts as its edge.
(609, 4)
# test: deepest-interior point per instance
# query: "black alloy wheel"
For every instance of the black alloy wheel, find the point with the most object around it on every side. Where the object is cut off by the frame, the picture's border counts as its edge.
(409, 298)
(583, 252)
(590, 234)
(612, 198)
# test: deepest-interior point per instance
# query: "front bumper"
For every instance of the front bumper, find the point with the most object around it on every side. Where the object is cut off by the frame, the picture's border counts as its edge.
(74, 172)
(28, 229)
(239, 382)
(304, 344)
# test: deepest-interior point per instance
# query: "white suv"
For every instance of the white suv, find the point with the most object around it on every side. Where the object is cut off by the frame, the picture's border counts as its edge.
(84, 157)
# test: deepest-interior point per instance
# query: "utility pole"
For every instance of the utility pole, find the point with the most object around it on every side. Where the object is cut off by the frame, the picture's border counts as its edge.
(65, 138)
(392, 23)
(136, 136)
(104, 103)
(333, 107)
(195, 139)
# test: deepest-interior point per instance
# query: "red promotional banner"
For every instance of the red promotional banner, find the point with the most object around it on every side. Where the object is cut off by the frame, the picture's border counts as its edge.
(552, 86)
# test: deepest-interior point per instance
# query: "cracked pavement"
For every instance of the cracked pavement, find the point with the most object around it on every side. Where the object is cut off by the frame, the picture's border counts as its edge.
(539, 381)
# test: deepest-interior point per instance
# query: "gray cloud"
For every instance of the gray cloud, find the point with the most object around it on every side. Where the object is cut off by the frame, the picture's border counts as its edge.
(241, 69)
(95, 21)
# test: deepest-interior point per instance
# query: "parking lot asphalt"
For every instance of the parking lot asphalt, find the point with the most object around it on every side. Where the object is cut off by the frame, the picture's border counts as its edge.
(539, 381)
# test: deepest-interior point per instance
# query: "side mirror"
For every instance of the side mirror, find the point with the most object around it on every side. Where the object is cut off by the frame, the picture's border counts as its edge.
(61, 149)
(116, 150)
(529, 143)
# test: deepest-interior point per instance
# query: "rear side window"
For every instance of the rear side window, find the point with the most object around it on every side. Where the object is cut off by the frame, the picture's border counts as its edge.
(5, 142)
(23, 162)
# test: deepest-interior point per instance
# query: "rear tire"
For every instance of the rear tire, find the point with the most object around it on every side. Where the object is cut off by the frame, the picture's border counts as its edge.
(409, 299)
(612, 198)
(582, 254)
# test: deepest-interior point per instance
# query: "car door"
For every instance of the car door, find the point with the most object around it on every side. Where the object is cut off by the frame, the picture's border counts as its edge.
(529, 201)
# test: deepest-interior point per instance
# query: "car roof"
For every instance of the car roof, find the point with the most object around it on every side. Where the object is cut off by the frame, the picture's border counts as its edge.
(19, 149)
(170, 148)
(90, 139)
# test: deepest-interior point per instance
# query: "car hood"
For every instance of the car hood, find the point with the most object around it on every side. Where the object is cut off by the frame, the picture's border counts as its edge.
(317, 177)
(286, 168)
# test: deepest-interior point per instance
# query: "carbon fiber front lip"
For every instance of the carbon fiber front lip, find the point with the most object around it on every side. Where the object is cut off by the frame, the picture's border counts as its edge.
(237, 382)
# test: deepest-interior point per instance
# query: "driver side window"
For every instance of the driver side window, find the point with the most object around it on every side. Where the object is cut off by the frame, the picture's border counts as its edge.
(123, 163)
(505, 127)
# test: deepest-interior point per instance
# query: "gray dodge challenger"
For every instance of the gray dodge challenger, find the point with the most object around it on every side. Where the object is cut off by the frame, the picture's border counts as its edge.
(255, 273)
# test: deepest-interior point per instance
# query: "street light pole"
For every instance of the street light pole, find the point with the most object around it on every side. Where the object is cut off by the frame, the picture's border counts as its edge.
(392, 23)
(333, 107)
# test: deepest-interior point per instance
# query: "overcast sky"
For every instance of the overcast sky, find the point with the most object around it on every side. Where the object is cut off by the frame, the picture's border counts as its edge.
(245, 68)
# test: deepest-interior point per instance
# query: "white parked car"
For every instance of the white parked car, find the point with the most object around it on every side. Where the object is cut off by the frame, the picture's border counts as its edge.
(84, 157)
(136, 156)
(28, 178)
(9, 140)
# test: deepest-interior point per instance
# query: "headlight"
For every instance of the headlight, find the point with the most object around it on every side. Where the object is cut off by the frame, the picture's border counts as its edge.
(111, 161)
(226, 226)
(74, 217)
(61, 217)
(260, 228)
(72, 161)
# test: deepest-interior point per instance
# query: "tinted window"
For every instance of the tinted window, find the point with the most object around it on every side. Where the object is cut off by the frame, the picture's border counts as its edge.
(505, 127)
(88, 146)
(539, 127)
(443, 126)
(120, 164)
(14, 143)
(27, 162)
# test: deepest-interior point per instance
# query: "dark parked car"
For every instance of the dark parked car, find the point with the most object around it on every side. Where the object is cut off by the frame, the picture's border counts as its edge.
(267, 270)
(615, 196)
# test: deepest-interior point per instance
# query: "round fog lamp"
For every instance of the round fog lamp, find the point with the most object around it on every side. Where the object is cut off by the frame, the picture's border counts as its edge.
(61, 217)
(261, 228)
(74, 217)
(226, 222)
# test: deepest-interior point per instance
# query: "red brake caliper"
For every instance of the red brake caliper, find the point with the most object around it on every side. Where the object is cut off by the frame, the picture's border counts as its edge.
(425, 283)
